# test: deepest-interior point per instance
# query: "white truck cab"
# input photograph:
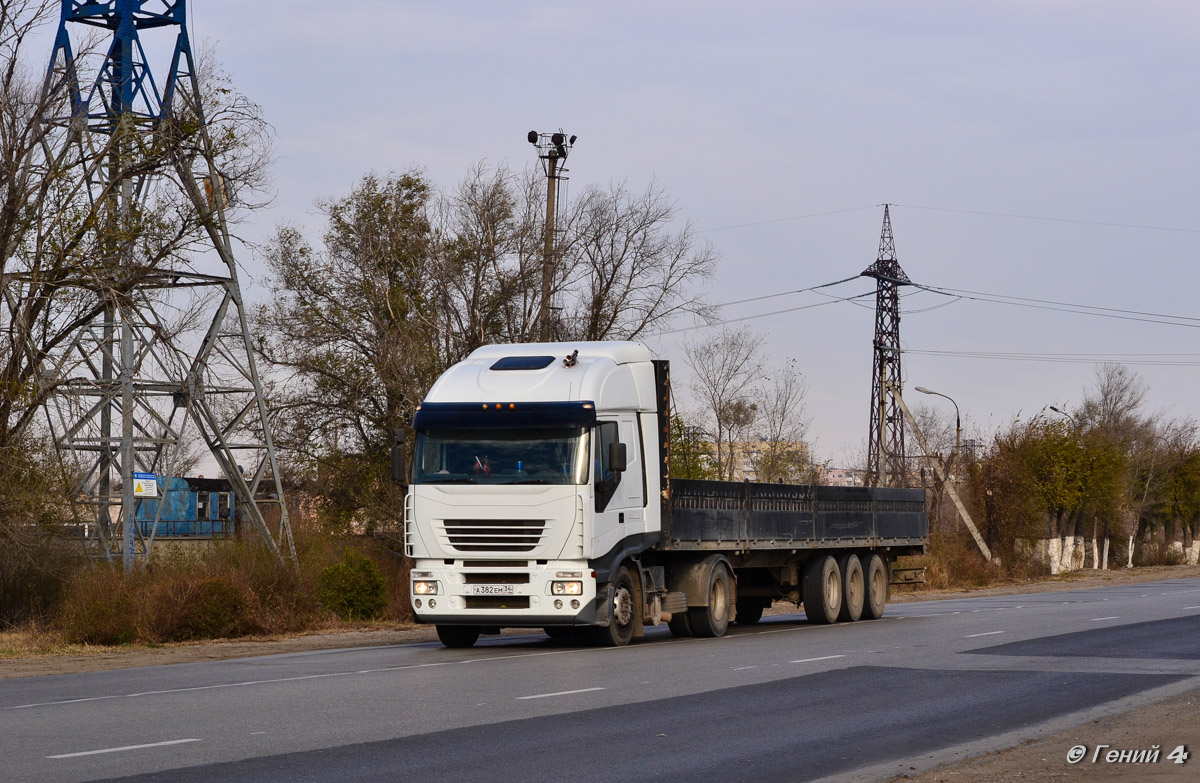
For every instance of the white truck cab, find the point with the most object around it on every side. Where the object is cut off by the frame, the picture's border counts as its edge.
(529, 483)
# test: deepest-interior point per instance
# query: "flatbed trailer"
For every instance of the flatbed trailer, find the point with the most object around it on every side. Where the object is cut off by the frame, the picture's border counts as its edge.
(542, 496)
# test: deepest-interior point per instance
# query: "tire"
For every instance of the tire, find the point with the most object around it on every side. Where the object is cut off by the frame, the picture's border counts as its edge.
(679, 625)
(456, 636)
(853, 588)
(749, 612)
(713, 620)
(822, 590)
(876, 593)
(626, 612)
(560, 631)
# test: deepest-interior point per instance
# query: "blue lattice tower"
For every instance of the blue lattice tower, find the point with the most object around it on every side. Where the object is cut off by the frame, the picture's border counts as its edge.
(136, 163)
(885, 448)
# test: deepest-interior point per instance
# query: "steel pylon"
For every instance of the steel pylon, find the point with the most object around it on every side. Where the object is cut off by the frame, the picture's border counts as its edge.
(885, 449)
(166, 361)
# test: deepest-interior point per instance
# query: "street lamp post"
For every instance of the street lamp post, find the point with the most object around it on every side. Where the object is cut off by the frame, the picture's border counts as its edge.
(1061, 412)
(957, 416)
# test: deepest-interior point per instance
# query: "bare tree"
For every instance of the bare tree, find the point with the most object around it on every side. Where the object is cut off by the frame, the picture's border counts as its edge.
(624, 273)
(725, 371)
(782, 426)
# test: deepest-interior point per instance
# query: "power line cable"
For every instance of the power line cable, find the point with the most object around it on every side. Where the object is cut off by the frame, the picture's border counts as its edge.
(1060, 358)
(786, 293)
(1064, 307)
(726, 321)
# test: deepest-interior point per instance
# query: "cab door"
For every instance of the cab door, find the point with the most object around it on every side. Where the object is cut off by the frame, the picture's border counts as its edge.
(619, 495)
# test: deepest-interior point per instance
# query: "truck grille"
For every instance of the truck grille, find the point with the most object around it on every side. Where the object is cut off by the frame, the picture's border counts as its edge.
(494, 535)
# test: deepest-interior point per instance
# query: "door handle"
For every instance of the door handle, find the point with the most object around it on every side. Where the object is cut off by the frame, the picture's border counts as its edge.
(621, 518)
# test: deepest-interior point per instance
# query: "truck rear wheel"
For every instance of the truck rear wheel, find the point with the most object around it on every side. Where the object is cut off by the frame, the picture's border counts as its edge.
(458, 635)
(822, 590)
(625, 612)
(679, 625)
(853, 588)
(713, 620)
(876, 593)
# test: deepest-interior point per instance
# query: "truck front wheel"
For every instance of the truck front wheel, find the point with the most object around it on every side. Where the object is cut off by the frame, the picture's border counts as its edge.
(625, 612)
(458, 635)
(713, 620)
(822, 590)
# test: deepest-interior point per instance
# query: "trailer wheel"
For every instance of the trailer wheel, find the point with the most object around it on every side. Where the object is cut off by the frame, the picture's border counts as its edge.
(853, 588)
(822, 590)
(713, 620)
(458, 635)
(625, 612)
(876, 593)
(749, 612)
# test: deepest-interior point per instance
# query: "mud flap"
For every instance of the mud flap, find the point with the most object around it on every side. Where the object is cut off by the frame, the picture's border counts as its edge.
(603, 605)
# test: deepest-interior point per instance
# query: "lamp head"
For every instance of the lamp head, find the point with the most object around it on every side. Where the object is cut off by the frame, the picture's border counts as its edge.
(533, 137)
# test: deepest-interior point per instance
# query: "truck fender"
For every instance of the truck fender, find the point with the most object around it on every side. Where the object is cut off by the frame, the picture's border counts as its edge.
(692, 579)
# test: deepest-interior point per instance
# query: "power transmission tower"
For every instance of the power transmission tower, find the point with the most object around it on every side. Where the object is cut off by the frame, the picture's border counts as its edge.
(885, 448)
(167, 346)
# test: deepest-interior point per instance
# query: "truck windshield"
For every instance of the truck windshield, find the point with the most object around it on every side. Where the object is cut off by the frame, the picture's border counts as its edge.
(501, 456)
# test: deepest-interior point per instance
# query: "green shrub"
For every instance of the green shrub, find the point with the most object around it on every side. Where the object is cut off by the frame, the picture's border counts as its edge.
(353, 589)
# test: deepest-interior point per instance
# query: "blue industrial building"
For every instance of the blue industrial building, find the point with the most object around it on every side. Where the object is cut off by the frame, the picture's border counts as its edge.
(191, 508)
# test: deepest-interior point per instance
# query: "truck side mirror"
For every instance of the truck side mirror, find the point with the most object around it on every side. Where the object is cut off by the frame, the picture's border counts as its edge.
(617, 459)
(399, 474)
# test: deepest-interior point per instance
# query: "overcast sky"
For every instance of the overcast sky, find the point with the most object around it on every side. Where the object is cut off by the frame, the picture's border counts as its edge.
(756, 114)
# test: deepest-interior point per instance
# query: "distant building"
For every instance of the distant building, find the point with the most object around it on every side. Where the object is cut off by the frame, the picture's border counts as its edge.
(748, 456)
(843, 477)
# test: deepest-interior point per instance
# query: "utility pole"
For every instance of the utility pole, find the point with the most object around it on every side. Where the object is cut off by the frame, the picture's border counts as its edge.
(552, 149)
(133, 389)
(940, 469)
(885, 446)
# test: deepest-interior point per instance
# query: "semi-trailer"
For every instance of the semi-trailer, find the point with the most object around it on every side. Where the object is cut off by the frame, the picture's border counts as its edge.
(540, 495)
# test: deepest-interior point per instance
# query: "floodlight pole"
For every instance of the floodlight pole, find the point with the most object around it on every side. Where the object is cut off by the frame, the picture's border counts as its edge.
(548, 247)
(553, 149)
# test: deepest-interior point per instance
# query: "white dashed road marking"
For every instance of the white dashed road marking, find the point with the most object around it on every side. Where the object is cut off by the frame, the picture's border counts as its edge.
(123, 747)
(559, 693)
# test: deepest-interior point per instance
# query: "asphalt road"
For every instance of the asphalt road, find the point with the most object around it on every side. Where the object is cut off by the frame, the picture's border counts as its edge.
(779, 701)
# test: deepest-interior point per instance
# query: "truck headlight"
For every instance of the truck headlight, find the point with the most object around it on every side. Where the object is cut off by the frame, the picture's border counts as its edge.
(566, 588)
(425, 588)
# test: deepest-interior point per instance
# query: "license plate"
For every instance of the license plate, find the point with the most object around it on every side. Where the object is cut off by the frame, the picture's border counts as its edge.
(492, 590)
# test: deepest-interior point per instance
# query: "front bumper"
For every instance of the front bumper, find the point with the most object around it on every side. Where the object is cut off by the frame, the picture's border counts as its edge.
(531, 603)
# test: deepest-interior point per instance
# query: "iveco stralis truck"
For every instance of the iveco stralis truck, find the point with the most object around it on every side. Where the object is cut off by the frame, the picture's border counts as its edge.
(540, 495)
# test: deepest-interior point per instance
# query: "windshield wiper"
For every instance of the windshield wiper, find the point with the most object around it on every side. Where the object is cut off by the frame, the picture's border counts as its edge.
(464, 480)
(533, 481)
